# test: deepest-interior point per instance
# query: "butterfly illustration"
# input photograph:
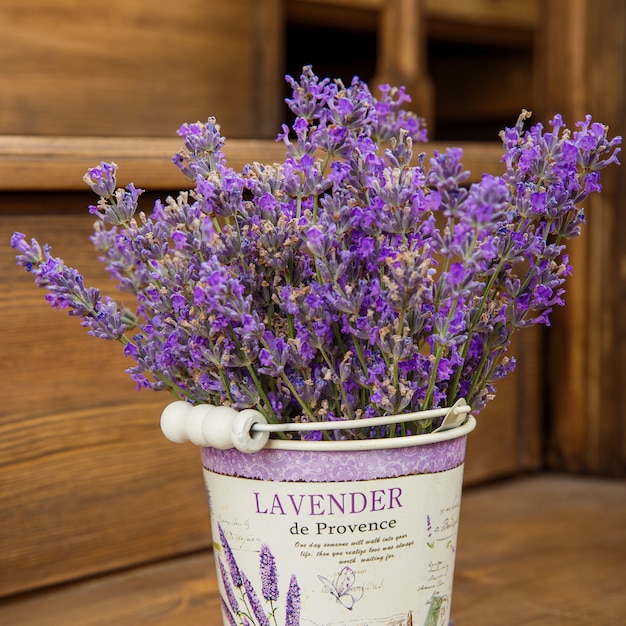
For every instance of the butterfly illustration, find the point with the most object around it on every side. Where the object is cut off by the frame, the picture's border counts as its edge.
(343, 589)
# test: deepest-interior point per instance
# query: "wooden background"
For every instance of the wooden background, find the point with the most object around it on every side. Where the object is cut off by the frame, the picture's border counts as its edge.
(70, 67)
(87, 483)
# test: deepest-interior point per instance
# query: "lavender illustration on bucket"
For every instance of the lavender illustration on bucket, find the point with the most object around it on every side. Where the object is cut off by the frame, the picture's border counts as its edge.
(429, 530)
(242, 605)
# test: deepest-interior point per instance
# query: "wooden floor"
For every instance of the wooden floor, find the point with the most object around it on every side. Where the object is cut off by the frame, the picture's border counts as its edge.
(536, 551)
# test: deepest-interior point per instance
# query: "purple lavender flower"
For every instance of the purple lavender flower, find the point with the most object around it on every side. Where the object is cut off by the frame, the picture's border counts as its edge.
(310, 95)
(255, 603)
(230, 594)
(30, 255)
(118, 207)
(292, 607)
(269, 575)
(235, 573)
(355, 278)
(202, 153)
(429, 531)
(101, 179)
(226, 611)
(66, 290)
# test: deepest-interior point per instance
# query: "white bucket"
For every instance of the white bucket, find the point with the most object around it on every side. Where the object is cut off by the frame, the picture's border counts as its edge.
(337, 533)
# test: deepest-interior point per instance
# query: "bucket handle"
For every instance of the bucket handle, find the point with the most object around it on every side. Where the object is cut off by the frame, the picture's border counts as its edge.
(224, 427)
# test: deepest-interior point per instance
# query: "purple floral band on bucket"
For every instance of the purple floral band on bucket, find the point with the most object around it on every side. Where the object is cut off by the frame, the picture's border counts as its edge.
(334, 466)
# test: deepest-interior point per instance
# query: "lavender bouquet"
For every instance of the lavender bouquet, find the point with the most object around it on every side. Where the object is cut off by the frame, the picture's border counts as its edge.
(355, 279)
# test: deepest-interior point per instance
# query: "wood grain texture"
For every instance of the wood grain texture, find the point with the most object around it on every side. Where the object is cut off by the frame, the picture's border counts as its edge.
(508, 436)
(128, 70)
(401, 57)
(491, 13)
(542, 551)
(102, 501)
(538, 551)
(179, 592)
(58, 163)
(606, 91)
(584, 62)
(521, 13)
(87, 481)
(563, 75)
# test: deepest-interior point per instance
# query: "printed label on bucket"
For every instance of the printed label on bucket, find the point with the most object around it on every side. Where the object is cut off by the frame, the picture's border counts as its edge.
(343, 553)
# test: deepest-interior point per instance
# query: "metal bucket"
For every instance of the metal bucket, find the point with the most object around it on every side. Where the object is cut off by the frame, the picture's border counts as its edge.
(337, 533)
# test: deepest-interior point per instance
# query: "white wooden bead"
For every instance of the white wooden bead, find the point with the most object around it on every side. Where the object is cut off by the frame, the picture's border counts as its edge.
(174, 421)
(243, 438)
(216, 427)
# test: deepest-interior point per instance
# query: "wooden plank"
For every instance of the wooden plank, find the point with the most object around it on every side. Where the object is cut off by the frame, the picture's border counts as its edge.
(68, 366)
(544, 551)
(130, 71)
(508, 437)
(180, 592)
(368, 5)
(87, 481)
(347, 15)
(268, 68)
(606, 434)
(58, 163)
(499, 22)
(93, 491)
(401, 56)
(584, 63)
(524, 13)
(519, 14)
(563, 68)
(540, 551)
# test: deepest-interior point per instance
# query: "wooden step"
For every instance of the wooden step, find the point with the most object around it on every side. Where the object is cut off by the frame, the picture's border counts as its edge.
(29, 163)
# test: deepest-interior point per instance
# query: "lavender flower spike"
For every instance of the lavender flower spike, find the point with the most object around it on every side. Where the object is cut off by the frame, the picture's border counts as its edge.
(255, 603)
(31, 255)
(235, 572)
(293, 603)
(101, 179)
(229, 615)
(230, 594)
(269, 575)
(66, 290)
